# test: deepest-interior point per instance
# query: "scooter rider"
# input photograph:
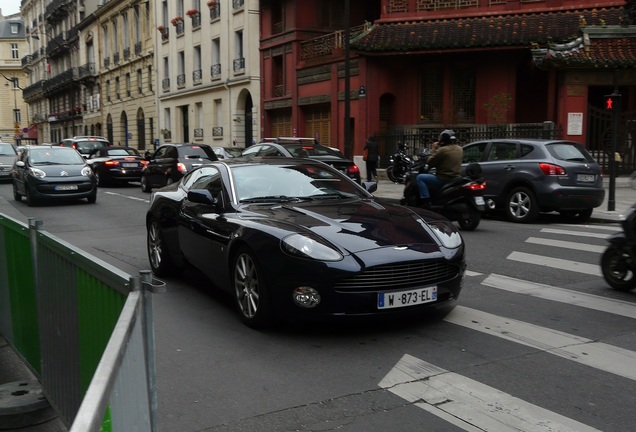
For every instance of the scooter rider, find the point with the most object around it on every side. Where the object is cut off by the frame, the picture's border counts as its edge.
(446, 158)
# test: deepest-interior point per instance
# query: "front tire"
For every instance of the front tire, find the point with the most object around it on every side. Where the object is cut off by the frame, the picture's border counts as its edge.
(393, 176)
(471, 222)
(250, 291)
(145, 186)
(618, 269)
(522, 205)
(577, 216)
(16, 194)
(158, 255)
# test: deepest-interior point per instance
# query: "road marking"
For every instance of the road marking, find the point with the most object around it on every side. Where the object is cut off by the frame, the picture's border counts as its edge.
(575, 233)
(469, 404)
(566, 244)
(128, 196)
(472, 273)
(598, 227)
(562, 295)
(562, 264)
(585, 351)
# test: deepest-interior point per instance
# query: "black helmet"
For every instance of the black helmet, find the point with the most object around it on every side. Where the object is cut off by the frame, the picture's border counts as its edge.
(446, 137)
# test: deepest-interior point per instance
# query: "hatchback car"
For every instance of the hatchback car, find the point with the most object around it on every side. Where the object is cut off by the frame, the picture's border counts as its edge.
(305, 147)
(52, 173)
(294, 238)
(86, 145)
(527, 176)
(170, 162)
(8, 156)
(116, 165)
(227, 152)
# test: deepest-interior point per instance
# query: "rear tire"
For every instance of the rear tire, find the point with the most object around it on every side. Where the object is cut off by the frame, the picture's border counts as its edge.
(470, 223)
(577, 216)
(145, 186)
(393, 176)
(16, 194)
(618, 269)
(521, 205)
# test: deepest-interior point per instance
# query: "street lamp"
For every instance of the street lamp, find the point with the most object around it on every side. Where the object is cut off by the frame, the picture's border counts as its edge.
(16, 117)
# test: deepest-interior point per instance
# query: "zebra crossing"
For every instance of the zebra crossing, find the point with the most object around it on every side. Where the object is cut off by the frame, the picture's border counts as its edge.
(473, 406)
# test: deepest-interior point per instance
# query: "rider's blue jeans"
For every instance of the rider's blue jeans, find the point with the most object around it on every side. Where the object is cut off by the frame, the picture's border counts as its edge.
(426, 182)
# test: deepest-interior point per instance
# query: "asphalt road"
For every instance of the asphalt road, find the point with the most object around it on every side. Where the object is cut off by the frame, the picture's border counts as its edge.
(538, 342)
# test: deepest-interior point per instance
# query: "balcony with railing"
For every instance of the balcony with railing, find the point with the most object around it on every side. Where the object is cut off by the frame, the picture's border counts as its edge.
(238, 4)
(239, 65)
(106, 62)
(217, 131)
(138, 48)
(215, 10)
(27, 60)
(62, 79)
(215, 71)
(181, 81)
(33, 91)
(57, 10)
(165, 84)
(165, 33)
(87, 71)
(126, 53)
(327, 44)
(197, 76)
(116, 58)
(198, 132)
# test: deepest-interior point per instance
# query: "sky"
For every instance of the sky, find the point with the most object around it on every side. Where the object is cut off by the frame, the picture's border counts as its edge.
(9, 7)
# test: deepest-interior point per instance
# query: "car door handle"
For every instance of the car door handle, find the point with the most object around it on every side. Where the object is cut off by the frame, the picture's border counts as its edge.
(509, 167)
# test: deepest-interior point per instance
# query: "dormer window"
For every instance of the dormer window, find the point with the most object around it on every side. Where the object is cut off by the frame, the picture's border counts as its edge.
(14, 28)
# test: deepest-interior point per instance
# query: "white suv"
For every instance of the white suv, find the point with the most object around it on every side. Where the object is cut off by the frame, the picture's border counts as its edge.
(86, 145)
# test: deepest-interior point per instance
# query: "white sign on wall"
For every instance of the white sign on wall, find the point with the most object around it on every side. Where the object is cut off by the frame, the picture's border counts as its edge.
(575, 123)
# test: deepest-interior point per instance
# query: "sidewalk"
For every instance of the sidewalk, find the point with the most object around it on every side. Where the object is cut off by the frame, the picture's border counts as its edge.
(624, 197)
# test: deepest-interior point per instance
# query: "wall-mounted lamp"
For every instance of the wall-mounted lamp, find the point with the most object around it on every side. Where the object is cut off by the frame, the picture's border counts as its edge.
(237, 119)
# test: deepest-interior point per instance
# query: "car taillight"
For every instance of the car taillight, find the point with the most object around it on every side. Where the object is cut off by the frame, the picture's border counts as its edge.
(353, 170)
(75, 146)
(143, 162)
(551, 169)
(111, 163)
(182, 168)
(475, 186)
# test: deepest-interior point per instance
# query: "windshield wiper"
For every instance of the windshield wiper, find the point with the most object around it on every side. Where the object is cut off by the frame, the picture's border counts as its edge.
(276, 198)
(333, 195)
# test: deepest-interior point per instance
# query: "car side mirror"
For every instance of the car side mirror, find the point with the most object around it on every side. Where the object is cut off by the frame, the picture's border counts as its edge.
(203, 196)
(19, 164)
(370, 186)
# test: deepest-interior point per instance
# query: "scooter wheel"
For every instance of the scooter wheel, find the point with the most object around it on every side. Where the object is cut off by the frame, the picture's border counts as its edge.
(471, 222)
(617, 268)
(390, 173)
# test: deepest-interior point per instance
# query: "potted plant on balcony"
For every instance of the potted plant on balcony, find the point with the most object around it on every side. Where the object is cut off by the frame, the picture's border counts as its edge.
(176, 21)
(212, 4)
(192, 13)
(161, 28)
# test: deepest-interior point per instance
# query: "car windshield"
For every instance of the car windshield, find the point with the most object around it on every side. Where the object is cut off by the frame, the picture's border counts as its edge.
(292, 182)
(122, 152)
(7, 150)
(86, 147)
(55, 156)
(311, 150)
(569, 151)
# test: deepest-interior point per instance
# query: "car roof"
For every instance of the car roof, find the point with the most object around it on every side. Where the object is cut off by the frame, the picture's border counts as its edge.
(526, 140)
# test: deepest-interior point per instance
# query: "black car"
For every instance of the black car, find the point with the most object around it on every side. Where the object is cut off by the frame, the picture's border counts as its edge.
(8, 156)
(116, 165)
(170, 162)
(525, 177)
(86, 144)
(305, 147)
(44, 173)
(295, 238)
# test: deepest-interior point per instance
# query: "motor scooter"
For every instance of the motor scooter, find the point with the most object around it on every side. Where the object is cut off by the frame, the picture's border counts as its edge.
(618, 262)
(460, 200)
(399, 164)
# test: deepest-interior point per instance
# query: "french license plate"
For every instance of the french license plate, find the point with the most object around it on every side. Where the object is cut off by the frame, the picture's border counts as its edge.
(479, 200)
(129, 165)
(407, 298)
(65, 187)
(585, 178)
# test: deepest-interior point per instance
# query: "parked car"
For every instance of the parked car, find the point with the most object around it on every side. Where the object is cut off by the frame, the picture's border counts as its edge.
(297, 239)
(304, 147)
(116, 165)
(8, 156)
(170, 162)
(527, 176)
(85, 145)
(227, 152)
(52, 173)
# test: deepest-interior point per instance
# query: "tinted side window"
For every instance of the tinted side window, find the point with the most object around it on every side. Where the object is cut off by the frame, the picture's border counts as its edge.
(569, 152)
(502, 151)
(526, 149)
(474, 152)
(268, 150)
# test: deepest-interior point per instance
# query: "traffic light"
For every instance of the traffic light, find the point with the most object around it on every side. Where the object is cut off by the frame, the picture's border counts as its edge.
(613, 102)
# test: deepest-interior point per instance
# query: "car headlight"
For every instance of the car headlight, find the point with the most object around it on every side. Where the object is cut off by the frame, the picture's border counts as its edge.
(446, 233)
(87, 171)
(37, 173)
(307, 247)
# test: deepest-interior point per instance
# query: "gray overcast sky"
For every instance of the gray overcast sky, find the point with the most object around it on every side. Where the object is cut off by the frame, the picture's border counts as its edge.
(9, 7)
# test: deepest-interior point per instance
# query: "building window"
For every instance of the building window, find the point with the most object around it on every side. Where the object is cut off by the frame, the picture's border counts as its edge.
(196, 72)
(108, 91)
(181, 81)
(463, 95)
(128, 85)
(126, 36)
(239, 60)
(140, 88)
(117, 94)
(15, 28)
(15, 53)
(150, 78)
(432, 96)
(278, 75)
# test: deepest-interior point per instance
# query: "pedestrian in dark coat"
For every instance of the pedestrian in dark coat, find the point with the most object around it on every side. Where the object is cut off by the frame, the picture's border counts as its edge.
(371, 148)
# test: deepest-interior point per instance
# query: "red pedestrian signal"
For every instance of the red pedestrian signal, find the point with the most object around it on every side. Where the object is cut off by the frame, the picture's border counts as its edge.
(612, 102)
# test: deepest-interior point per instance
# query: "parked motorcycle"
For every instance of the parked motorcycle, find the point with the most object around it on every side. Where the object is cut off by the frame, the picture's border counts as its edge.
(399, 164)
(618, 262)
(461, 199)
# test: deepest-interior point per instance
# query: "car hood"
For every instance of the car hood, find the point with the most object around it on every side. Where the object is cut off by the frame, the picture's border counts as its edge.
(61, 170)
(354, 225)
(7, 160)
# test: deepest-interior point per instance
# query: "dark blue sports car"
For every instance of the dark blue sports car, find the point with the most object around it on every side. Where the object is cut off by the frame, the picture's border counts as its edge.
(296, 239)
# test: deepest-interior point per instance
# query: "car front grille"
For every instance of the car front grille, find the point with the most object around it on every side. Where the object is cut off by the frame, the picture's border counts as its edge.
(397, 276)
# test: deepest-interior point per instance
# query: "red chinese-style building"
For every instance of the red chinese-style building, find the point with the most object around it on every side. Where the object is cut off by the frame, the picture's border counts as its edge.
(481, 67)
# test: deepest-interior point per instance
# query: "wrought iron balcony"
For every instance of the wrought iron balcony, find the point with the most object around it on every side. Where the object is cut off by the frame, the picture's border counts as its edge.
(238, 4)
(138, 48)
(239, 64)
(180, 28)
(215, 70)
(87, 71)
(62, 79)
(165, 84)
(196, 20)
(215, 11)
(126, 53)
(198, 133)
(27, 60)
(197, 76)
(181, 80)
(106, 62)
(217, 131)
(116, 58)
(57, 10)
(33, 90)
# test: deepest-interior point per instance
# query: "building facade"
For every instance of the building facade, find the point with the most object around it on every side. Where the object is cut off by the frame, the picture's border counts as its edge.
(14, 121)
(208, 70)
(416, 67)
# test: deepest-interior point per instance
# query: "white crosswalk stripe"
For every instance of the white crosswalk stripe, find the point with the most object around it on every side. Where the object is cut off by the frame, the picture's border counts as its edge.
(575, 233)
(566, 244)
(558, 263)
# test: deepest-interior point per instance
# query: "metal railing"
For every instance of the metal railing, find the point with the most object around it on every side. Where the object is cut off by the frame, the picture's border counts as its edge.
(82, 326)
